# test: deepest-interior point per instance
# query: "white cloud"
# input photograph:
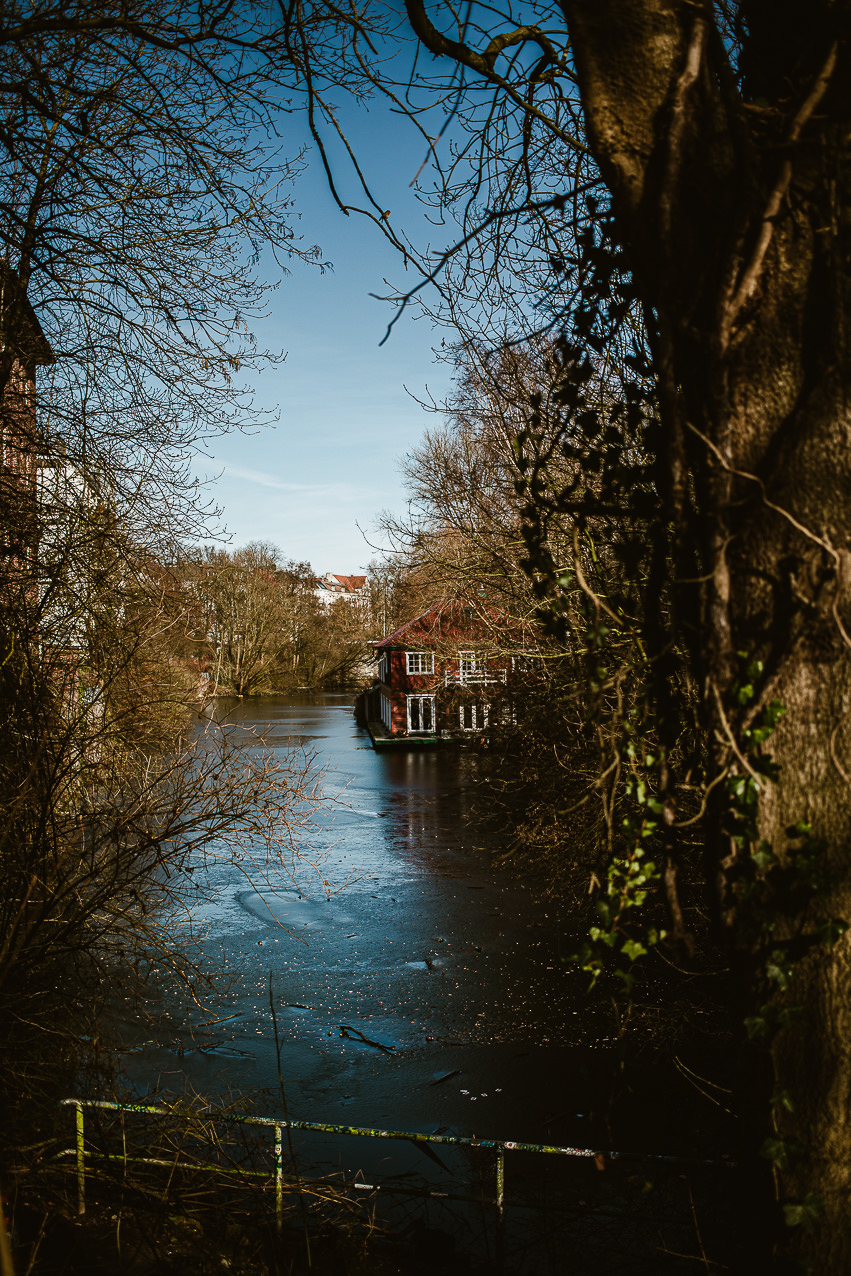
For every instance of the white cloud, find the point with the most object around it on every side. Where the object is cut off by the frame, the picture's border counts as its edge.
(262, 479)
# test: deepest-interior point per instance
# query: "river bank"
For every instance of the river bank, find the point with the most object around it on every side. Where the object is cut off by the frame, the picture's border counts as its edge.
(395, 925)
(415, 985)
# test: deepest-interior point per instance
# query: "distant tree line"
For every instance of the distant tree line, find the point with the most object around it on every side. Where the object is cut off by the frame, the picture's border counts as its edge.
(255, 623)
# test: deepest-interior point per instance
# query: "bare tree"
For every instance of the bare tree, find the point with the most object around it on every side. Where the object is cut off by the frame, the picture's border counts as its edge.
(259, 625)
(666, 182)
(714, 135)
(141, 180)
(135, 183)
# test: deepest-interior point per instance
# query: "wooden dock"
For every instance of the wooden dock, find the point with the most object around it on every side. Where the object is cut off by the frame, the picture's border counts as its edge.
(383, 741)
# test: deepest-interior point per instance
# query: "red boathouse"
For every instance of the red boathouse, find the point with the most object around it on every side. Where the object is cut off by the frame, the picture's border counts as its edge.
(443, 676)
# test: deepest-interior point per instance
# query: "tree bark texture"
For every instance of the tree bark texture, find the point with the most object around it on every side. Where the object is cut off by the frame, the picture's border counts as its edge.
(736, 215)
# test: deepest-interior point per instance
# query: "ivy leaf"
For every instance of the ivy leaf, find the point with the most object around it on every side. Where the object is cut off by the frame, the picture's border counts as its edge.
(831, 931)
(780, 970)
(781, 1152)
(639, 364)
(763, 856)
(773, 712)
(804, 1213)
(589, 422)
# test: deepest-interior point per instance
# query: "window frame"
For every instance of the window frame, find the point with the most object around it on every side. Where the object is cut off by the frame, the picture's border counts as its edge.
(468, 659)
(507, 714)
(420, 697)
(479, 715)
(472, 667)
(421, 657)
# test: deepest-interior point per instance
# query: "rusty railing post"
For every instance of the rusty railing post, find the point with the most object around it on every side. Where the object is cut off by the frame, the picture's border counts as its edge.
(81, 1160)
(279, 1180)
(500, 1183)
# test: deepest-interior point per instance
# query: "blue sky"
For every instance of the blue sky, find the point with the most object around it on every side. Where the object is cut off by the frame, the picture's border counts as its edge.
(345, 416)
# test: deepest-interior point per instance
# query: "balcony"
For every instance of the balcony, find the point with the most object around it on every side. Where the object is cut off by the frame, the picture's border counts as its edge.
(473, 677)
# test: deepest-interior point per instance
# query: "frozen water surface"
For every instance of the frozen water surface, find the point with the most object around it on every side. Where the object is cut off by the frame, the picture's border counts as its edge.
(415, 985)
(450, 964)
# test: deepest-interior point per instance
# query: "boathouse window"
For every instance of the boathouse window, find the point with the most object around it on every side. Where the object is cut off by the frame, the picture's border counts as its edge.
(419, 662)
(470, 665)
(473, 717)
(386, 712)
(421, 713)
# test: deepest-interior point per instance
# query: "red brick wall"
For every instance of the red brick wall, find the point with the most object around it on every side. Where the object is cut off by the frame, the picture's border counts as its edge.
(399, 712)
(399, 684)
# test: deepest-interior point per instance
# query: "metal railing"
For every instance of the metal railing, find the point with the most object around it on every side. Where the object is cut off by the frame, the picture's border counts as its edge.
(279, 1124)
(473, 677)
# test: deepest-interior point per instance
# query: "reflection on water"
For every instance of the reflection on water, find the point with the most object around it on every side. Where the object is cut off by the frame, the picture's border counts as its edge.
(453, 967)
(429, 993)
(427, 949)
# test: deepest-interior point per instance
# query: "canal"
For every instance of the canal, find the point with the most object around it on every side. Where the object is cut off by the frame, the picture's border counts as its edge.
(417, 985)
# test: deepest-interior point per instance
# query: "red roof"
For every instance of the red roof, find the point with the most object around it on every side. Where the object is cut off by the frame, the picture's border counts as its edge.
(408, 630)
(351, 583)
(453, 621)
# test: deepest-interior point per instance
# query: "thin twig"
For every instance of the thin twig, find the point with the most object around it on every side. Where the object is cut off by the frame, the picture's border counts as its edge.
(697, 1228)
(704, 800)
(834, 759)
(599, 602)
(821, 541)
(750, 276)
(732, 740)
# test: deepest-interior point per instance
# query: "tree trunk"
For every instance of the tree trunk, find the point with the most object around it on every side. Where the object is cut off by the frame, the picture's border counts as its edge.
(735, 216)
(813, 1057)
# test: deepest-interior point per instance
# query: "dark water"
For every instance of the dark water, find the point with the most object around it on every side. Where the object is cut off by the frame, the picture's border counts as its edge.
(423, 946)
